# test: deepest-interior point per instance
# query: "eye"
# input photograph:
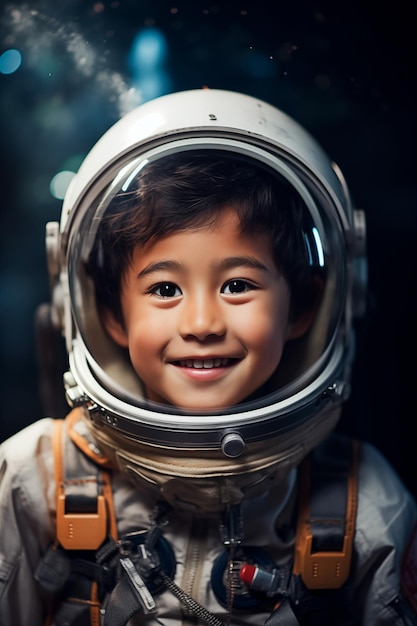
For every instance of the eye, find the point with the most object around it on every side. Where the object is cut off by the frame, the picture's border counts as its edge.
(237, 285)
(166, 290)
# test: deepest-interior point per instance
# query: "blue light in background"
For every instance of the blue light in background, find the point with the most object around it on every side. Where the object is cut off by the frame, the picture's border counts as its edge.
(10, 61)
(149, 49)
(147, 63)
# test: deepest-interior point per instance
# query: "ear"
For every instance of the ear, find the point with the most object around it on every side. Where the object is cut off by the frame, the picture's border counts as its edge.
(302, 321)
(115, 329)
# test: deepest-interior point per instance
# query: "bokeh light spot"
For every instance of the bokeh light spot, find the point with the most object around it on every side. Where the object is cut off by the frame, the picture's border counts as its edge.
(59, 183)
(149, 49)
(10, 61)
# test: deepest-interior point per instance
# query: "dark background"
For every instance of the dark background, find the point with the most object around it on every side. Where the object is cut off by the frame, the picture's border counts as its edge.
(345, 70)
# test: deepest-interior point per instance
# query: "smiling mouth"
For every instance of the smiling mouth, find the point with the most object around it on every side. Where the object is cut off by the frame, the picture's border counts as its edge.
(205, 363)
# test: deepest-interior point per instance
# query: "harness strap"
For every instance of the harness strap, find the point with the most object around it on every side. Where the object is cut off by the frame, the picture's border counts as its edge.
(283, 615)
(123, 605)
(327, 514)
(84, 517)
(84, 507)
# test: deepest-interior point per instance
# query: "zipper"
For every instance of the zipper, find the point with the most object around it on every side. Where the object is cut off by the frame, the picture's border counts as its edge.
(195, 558)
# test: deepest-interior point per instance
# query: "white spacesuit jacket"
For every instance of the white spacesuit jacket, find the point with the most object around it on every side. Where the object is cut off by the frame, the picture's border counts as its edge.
(387, 515)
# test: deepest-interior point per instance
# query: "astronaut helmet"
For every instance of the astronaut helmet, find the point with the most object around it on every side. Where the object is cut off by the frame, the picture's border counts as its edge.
(243, 444)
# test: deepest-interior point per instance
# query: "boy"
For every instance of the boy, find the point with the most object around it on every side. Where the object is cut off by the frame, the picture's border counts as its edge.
(203, 275)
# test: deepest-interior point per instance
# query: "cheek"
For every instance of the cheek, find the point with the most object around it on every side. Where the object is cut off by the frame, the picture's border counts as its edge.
(142, 355)
(264, 328)
(143, 323)
(146, 338)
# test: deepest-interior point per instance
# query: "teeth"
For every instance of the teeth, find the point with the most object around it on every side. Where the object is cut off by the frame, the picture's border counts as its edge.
(206, 364)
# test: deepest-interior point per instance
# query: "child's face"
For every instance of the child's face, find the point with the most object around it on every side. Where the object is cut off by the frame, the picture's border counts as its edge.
(206, 315)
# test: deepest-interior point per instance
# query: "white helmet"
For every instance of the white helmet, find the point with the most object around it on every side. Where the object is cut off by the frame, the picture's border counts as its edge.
(101, 376)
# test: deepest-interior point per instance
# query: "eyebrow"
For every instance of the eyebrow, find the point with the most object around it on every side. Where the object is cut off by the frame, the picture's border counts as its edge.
(241, 261)
(160, 266)
(226, 263)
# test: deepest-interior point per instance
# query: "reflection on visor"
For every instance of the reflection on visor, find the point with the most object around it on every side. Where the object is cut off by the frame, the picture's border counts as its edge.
(319, 247)
(133, 175)
(315, 252)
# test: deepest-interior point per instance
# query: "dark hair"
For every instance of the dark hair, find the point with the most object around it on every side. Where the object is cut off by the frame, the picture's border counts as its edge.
(191, 189)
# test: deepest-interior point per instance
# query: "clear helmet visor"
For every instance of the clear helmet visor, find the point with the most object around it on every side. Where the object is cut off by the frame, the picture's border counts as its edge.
(310, 365)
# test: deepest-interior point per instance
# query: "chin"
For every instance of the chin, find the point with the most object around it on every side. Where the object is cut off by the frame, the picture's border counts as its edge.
(206, 407)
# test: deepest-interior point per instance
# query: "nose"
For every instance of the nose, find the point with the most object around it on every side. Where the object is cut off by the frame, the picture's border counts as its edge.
(202, 317)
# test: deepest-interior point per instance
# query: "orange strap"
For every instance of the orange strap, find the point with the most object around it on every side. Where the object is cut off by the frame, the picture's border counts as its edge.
(325, 569)
(81, 530)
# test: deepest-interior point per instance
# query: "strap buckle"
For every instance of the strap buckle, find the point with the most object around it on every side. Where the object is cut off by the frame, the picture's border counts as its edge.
(323, 570)
(81, 531)
(327, 569)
